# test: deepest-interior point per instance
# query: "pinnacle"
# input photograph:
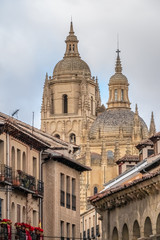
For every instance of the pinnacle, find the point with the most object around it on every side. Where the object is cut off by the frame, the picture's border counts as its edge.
(118, 67)
(71, 28)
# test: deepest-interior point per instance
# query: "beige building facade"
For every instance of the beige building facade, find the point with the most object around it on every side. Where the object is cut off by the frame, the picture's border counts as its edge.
(129, 205)
(39, 179)
(72, 111)
(21, 186)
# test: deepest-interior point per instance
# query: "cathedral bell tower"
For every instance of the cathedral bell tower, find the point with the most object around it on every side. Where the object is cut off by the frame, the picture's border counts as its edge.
(71, 96)
(118, 88)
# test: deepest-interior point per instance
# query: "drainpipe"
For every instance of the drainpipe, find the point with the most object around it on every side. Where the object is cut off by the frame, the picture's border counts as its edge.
(7, 163)
(95, 222)
(40, 178)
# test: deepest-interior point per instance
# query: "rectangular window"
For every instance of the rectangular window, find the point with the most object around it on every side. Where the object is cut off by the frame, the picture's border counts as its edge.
(62, 229)
(68, 231)
(18, 213)
(84, 234)
(92, 233)
(62, 193)
(74, 194)
(88, 233)
(73, 231)
(34, 218)
(68, 192)
(150, 152)
(1, 152)
(97, 231)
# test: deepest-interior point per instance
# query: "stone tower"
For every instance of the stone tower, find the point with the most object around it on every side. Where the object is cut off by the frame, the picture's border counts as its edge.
(71, 110)
(71, 96)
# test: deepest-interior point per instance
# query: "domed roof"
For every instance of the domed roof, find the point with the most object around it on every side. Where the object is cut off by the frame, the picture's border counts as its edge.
(118, 78)
(110, 122)
(71, 65)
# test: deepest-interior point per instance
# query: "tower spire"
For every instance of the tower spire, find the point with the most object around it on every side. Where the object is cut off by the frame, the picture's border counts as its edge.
(71, 32)
(71, 44)
(152, 129)
(118, 68)
(118, 87)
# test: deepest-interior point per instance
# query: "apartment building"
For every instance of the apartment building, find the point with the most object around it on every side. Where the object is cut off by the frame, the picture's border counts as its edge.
(39, 179)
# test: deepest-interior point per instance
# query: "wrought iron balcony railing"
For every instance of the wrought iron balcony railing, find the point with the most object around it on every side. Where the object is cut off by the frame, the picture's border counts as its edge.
(5, 173)
(26, 181)
(40, 187)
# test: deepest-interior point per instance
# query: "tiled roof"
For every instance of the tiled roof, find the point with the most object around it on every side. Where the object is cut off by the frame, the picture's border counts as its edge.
(128, 158)
(144, 143)
(119, 188)
(54, 142)
(155, 136)
(65, 160)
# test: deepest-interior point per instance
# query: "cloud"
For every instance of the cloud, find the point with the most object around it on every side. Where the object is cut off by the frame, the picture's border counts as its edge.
(32, 35)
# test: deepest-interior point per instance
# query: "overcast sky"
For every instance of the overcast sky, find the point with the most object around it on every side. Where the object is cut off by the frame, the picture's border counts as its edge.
(32, 35)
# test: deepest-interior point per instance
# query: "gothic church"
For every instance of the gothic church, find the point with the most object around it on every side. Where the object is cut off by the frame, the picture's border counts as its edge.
(71, 110)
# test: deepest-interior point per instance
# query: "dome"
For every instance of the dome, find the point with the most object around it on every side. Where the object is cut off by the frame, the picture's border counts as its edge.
(109, 123)
(71, 65)
(118, 78)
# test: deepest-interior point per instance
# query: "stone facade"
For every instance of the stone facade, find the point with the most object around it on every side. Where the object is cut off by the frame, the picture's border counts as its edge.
(130, 208)
(39, 179)
(72, 110)
(19, 175)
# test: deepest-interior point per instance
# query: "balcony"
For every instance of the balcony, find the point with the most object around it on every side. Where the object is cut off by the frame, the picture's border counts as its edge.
(5, 174)
(27, 182)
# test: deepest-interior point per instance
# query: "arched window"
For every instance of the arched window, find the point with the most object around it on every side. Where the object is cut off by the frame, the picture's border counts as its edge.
(110, 155)
(73, 138)
(92, 105)
(1, 151)
(147, 227)
(24, 162)
(122, 94)
(65, 103)
(52, 104)
(13, 158)
(34, 166)
(18, 159)
(95, 190)
(73, 47)
(115, 234)
(57, 136)
(13, 212)
(125, 233)
(116, 95)
(158, 224)
(136, 230)
(69, 47)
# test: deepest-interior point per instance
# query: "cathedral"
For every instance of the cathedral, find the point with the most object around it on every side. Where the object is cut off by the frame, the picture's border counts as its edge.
(72, 111)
